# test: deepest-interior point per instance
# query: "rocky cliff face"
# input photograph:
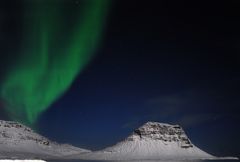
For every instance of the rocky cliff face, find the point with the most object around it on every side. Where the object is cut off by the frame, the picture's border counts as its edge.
(161, 132)
(14, 132)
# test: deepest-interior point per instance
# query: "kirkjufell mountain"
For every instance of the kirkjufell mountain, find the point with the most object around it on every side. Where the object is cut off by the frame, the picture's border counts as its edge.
(153, 140)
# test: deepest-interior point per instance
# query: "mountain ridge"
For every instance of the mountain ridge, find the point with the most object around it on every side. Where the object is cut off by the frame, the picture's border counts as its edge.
(24, 142)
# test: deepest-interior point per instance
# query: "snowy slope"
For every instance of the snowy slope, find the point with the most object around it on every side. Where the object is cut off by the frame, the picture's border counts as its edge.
(19, 141)
(152, 141)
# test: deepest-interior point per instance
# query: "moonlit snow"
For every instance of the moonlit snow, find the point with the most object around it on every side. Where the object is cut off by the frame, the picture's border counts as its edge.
(152, 141)
(22, 160)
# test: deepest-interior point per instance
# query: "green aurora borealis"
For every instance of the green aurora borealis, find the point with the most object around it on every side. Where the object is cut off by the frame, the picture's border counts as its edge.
(58, 41)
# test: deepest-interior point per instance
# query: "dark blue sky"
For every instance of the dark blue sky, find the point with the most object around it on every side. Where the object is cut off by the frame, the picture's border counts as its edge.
(167, 61)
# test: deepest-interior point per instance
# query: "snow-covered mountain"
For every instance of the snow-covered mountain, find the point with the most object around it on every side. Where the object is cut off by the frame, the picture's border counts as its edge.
(19, 141)
(153, 140)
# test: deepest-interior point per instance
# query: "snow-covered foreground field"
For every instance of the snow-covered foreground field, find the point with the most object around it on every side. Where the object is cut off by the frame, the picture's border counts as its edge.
(226, 160)
(7, 160)
(147, 161)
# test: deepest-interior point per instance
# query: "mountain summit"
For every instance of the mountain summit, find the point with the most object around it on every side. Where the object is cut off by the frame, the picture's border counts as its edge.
(161, 132)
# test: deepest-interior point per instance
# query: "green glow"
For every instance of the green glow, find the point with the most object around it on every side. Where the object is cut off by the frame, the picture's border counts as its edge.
(59, 40)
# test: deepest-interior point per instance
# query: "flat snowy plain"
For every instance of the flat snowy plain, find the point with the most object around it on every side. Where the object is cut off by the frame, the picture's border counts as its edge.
(146, 161)
(7, 160)
(228, 160)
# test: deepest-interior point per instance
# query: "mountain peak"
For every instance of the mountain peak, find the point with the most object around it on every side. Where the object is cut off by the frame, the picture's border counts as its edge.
(154, 124)
(161, 132)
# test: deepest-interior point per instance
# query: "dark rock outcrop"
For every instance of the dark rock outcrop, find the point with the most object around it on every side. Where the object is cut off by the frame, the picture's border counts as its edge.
(163, 132)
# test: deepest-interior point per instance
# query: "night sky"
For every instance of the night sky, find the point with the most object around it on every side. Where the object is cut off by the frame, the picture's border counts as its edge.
(167, 61)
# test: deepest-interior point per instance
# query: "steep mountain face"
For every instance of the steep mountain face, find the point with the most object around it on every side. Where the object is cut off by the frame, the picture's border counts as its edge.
(152, 141)
(19, 141)
(161, 132)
